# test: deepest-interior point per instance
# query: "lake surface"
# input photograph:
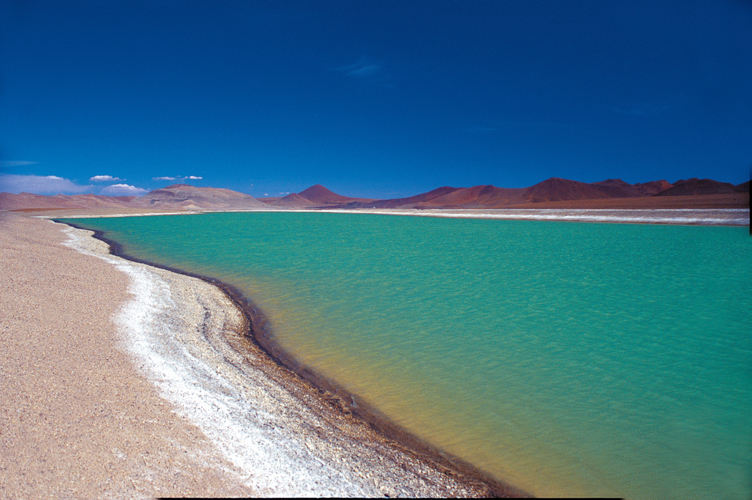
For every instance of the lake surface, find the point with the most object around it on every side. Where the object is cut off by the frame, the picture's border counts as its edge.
(563, 358)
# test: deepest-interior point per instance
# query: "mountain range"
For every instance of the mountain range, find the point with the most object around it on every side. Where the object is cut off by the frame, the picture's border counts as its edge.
(551, 193)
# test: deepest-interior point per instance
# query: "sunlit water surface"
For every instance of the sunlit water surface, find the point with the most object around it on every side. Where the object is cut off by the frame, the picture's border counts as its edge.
(563, 358)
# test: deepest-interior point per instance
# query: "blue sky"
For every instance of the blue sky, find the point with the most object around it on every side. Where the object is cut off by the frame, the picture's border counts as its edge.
(371, 98)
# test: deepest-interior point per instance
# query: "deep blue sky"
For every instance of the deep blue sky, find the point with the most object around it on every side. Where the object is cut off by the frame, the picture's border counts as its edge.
(371, 98)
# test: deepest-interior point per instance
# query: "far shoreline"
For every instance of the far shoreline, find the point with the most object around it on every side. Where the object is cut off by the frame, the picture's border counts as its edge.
(337, 399)
(730, 217)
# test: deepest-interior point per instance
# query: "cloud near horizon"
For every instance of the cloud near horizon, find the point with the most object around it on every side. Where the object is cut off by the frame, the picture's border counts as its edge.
(6, 164)
(38, 184)
(104, 178)
(123, 190)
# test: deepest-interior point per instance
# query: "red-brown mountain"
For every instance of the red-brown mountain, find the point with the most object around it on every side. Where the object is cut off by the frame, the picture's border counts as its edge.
(556, 189)
(695, 186)
(653, 187)
(617, 188)
(315, 196)
(418, 200)
(550, 190)
(554, 192)
(322, 196)
(293, 200)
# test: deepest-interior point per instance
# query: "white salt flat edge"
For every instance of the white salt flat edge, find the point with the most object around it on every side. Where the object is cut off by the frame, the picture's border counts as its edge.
(730, 216)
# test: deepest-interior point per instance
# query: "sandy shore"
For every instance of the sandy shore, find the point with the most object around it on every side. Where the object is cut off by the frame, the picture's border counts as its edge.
(78, 420)
(123, 380)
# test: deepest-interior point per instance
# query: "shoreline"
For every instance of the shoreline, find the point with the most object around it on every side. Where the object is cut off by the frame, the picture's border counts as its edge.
(333, 404)
(730, 217)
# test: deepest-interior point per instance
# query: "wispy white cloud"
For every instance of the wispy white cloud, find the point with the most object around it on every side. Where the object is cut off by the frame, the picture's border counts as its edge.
(38, 184)
(361, 70)
(16, 163)
(123, 190)
(104, 178)
(177, 178)
(369, 70)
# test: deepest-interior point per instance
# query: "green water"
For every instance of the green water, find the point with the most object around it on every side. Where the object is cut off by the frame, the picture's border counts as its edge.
(564, 358)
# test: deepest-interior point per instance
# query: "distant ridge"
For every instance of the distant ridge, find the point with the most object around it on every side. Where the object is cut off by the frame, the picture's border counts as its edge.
(175, 197)
(27, 201)
(654, 187)
(697, 186)
(617, 188)
(184, 196)
(556, 189)
(551, 193)
(320, 195)
(295, 198)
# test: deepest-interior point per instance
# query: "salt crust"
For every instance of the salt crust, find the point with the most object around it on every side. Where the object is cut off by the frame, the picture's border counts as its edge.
(186, 336)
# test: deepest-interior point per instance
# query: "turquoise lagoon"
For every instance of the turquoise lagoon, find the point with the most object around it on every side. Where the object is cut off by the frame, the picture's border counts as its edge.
(563, 358)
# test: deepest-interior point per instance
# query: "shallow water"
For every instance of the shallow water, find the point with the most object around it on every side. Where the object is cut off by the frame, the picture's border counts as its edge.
(564, 358)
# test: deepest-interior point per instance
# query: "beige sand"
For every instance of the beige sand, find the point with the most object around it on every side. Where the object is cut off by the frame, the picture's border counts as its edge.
(77, 419)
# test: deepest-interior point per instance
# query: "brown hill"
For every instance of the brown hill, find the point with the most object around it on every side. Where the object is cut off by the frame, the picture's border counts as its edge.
(321, 196)
(553, 190)
(472, 197)
(184, 196)
(617, 188)
(423, 199)
(293, 200)
(27, 201)
(175, 197)
(489, 196)
(695, 186)
(556, 189)
(496, 197)
(97, 201)
(486, 196)
(653, 187)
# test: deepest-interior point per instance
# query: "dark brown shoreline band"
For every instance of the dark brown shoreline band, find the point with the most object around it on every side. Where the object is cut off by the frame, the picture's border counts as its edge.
(329, 393)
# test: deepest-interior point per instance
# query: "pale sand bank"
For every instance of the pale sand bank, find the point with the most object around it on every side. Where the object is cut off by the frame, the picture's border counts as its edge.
(84, 367)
